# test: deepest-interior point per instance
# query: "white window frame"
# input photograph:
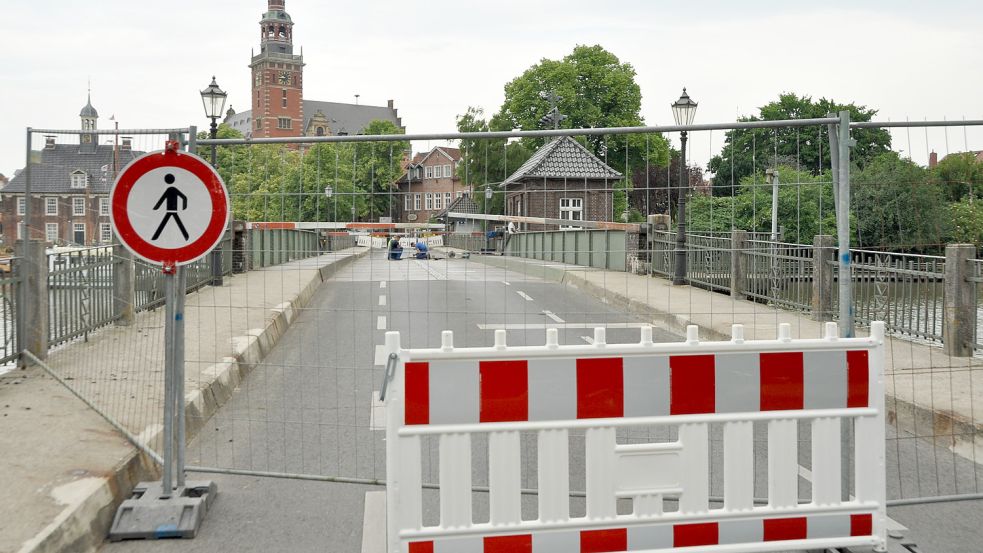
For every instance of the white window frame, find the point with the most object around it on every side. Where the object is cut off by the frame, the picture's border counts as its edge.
(284, 123)
(77, 227)
(105, 233)
(20, 230)
(571, 209)
(51, 232)
(447, 199)
(447, 170)
(438, 201)
(428, 172)
(76, 212)
(417, 198)
(79, 180)
(21, 205)
(459, 194)
(48, 205)
(408, 202)
(104, 207)
(428, 201)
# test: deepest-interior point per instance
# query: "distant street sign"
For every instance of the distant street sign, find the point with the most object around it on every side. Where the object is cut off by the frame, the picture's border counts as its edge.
(169, 207)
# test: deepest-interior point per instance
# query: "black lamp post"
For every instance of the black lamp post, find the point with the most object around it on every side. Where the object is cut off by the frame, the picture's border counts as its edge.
(213, 99)
(684, 111)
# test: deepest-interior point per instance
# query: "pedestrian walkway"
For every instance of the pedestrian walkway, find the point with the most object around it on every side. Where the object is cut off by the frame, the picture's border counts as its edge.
(63, 468)
(929, 394)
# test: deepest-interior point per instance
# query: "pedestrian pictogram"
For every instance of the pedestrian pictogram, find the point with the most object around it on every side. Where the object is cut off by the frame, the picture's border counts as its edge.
(169, 207)
(171, 196)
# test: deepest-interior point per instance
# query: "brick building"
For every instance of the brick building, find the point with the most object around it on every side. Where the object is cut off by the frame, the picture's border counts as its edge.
(70, 185)
(277, 91)
(562, 180)
(429, 185)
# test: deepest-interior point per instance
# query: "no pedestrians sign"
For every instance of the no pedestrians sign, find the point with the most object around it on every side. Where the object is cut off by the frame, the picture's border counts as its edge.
(169, 207)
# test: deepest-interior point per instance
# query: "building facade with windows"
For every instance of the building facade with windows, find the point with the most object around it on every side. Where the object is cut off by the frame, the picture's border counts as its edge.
(429, 185)
(562, 180)
(279, 108)
(70, 185)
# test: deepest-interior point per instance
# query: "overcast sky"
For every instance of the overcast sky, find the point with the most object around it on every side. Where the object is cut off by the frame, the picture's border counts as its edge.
(148, 60)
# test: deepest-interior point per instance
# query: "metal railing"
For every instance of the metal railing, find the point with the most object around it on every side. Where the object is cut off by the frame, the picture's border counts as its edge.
(472, 242)
(906, 291)
(709, 261)
(778, 273)
(9, 284)
(80, 292)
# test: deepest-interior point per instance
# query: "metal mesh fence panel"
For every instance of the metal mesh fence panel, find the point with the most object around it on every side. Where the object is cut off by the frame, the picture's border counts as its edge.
(336, 241)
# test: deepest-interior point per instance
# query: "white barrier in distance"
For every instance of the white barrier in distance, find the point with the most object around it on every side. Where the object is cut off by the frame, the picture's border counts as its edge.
(551, 390)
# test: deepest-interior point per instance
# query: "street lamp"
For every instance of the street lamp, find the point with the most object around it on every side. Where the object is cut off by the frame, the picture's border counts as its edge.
(488, 199)
(683, 111)
(213, 99)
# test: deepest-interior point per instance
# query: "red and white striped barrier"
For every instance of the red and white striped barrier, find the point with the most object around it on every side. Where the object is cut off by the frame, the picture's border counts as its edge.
(457, 393)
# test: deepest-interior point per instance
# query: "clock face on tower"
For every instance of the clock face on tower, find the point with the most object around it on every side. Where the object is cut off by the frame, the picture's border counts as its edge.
(284, 77)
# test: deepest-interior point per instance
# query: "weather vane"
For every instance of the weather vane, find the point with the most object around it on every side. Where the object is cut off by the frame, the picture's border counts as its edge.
(553, 116)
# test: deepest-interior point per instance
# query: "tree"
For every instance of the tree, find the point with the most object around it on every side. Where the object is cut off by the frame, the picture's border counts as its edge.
(966, 218)
(271, 182)
(898, 206)
(961, 176)
(596, 90)
(487, 162)
(805, 148)
(805, 206)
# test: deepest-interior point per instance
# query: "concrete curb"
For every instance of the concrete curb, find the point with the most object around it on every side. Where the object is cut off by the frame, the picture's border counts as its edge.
(91, 506)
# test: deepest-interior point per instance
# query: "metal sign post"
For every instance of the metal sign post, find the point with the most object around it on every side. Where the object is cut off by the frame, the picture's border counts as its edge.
(169, 208)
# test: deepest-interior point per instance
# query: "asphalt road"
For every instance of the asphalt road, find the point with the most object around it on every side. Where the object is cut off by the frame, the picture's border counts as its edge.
(308, 409)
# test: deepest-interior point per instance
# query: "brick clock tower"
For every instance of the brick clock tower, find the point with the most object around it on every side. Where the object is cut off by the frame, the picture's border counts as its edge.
(277, 77)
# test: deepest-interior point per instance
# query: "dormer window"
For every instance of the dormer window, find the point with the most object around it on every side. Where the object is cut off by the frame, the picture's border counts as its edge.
(127, 144)
(49, 142)
(79, 179)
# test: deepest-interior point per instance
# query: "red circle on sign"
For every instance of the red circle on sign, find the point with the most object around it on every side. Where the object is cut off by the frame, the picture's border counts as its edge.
(210, 179)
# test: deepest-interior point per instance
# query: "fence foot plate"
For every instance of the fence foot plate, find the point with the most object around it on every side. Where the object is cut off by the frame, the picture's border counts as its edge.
(149, 516)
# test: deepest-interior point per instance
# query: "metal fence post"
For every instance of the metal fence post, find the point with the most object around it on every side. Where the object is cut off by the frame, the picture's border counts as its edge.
(32, 268)
(124, 287)
(840, 144)
(959, 326)
(823, 252)
(738, 240)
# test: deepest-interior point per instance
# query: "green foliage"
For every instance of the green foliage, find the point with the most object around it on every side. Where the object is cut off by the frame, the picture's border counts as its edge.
(748, 150)
(270, 182)
(805, 207)
(898, 206)
(487, 161)
(966, 220)
(960, 175)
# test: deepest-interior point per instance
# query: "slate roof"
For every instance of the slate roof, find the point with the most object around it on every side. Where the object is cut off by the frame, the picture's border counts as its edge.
(51, 172)
(342, 118)
(563, 158)
(464, 204)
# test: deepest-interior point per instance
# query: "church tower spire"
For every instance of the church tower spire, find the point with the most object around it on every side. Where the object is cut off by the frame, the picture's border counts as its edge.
(277, 77)
(90, 119)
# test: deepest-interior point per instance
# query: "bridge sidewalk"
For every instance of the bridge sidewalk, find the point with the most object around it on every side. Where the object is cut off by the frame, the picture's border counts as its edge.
(929, 394)
(64, 469)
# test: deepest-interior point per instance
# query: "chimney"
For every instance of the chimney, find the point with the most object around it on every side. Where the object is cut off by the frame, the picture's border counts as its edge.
(49, 142)
(933, 159)
(390, 103)
(127, 144)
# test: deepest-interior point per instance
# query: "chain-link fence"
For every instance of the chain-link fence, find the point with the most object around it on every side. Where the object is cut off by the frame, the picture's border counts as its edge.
(570, 230)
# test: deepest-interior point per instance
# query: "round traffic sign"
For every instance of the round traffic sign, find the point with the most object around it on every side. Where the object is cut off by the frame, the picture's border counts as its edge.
(169, 207)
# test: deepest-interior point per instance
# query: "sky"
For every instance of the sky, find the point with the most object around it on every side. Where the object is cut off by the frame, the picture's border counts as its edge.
(147, 61)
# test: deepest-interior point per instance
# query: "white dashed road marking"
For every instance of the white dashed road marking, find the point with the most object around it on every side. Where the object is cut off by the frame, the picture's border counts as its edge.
(587, 339)
(381, 322)
(524, 295)
(382, 284)
(553, 316)
(543, 326)
(382, 300)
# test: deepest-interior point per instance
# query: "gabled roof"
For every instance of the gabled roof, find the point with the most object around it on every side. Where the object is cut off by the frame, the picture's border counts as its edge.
(452, 154)
(563, 158)
(342, 118)
(51, 169)
(464, 204)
